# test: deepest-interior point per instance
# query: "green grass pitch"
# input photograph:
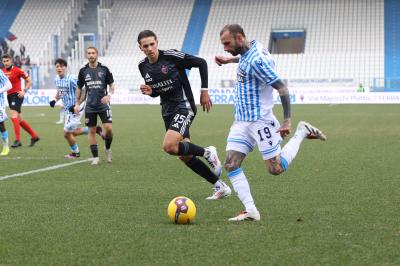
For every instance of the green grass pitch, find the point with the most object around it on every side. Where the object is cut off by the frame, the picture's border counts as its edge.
(338, 204)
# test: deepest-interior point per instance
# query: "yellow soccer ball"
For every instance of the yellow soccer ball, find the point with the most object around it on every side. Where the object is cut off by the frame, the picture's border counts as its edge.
(181, 210)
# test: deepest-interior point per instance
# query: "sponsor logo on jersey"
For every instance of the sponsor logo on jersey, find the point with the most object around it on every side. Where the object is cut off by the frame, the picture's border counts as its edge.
(176, 125)
(164, 69)
(165, 85)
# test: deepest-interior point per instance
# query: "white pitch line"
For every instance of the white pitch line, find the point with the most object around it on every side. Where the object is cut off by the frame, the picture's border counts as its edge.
(30, 158)
(44, 169)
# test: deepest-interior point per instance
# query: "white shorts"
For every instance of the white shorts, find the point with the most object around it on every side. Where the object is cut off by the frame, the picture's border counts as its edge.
(244, 136)
(3, 115)
(72, 121)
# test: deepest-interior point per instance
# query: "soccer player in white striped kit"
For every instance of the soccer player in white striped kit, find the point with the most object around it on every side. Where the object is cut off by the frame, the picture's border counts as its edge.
(5, 85)
(255, 123)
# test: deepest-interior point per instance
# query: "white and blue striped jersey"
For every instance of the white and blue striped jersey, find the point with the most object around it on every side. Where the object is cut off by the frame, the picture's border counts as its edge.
(66, 88)
(253, 91)
(3, 81)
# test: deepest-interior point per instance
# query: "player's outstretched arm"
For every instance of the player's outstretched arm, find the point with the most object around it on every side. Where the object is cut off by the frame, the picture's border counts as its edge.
(222, 60)
(283, 91)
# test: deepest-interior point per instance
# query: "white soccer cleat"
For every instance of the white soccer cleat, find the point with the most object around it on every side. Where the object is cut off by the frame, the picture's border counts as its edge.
(220, 192)
(109, 156)
(212, 158)
(95, 161)
(311, 131)
(246, 216)
(60, 122)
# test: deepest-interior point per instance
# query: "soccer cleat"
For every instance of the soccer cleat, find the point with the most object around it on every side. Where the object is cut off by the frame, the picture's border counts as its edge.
(73, 155)
(212, 158)
(16, 144)
(99, 131)
(33, 141)
(246, 216)
(5, 151)
(220, 192)
(59, 122)
(95, 161)
(311, 131)
(109, 155)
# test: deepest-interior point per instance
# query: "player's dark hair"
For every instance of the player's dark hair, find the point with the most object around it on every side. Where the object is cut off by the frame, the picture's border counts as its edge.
(145, 34)
(61, 61)
(233, 29)
(94, 48)
(6, 56)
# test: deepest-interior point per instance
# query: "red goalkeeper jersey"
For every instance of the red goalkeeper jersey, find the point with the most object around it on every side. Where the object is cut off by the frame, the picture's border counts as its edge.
(14, 75)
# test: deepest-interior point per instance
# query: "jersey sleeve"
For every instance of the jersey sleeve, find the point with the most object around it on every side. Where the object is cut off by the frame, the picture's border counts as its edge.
(264, 71)
(109, 77)
(140, 69)
(22, 74)
(187, 61)
(81, 79)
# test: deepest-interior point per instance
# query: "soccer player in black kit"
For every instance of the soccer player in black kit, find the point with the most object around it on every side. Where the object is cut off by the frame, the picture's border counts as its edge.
(165, 76)
(96, 77)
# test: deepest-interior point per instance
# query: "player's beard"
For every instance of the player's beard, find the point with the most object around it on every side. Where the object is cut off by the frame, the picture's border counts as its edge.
(92, 60)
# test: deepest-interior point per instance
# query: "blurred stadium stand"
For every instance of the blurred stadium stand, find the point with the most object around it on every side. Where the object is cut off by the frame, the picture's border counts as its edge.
(346, 42)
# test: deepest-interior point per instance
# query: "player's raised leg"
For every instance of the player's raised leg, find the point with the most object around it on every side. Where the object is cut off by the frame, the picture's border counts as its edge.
(70, 135)
(175, 144)
(280, 163)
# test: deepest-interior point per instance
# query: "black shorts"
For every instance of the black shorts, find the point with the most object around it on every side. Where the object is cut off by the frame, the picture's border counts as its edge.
(180, 122)
(91, 118)
(14, 102)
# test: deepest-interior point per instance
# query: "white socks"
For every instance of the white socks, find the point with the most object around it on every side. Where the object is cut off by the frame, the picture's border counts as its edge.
(291, 148)
(62, 114)
(242, 188)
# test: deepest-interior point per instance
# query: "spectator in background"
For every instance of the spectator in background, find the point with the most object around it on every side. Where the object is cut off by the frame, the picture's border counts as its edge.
(17, 61)
(22, 50)
(11, 53)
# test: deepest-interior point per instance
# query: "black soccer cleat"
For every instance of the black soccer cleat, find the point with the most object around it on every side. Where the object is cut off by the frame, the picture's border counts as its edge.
(16, 144)
(33, 141)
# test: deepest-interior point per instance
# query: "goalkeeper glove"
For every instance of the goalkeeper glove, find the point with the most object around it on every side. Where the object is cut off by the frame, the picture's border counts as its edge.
(52, 103)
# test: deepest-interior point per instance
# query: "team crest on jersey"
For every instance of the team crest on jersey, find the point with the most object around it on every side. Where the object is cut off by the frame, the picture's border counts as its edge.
(164, 69)
(100, 74)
